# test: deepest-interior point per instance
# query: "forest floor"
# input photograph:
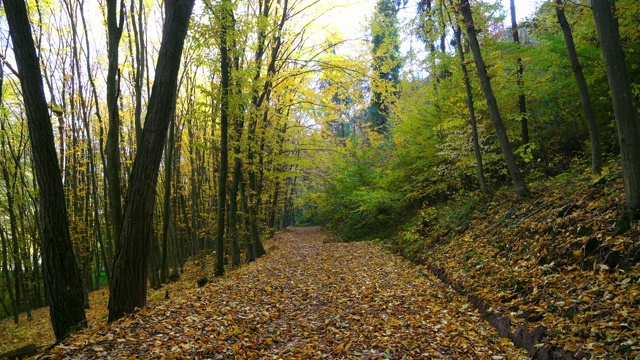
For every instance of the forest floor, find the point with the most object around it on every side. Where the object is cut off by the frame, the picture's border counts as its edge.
(551, 269)
(307, 298)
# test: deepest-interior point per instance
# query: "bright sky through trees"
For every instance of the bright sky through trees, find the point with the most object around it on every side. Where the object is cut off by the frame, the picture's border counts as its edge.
(351, 17)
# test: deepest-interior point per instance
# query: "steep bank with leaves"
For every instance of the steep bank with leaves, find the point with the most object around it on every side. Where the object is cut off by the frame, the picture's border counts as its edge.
(552, 261)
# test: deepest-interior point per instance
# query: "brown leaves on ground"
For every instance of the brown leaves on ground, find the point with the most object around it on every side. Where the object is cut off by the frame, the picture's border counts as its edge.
(552, 260)
(306, 299)
(38, 329)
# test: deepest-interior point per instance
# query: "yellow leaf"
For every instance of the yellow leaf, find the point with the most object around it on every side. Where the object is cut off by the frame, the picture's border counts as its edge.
(571, 347)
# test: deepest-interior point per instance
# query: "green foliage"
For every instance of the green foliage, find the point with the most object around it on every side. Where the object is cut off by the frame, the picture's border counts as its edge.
(352, 196)
(386, 62)
(360, 182)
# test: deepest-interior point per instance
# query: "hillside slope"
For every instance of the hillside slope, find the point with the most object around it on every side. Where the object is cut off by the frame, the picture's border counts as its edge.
(550, 264)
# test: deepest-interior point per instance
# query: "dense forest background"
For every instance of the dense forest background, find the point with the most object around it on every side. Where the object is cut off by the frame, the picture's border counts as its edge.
(274, 126)
(429, 148)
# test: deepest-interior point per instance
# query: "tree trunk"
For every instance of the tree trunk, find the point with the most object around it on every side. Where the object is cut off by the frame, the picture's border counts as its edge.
(114, 29)
(233, 210)
(522, 104)
(5, 258)
(20, 353)
(251, 253)
(274, 209)
(17, 260)
(166, 217)
(238, 125)
(472, 114)
(154, 264)
(225, 69)
(63, 283)
(140, 56)
(84, 114)
(129, 288)
(503, 139)
(626, 112)
(7, 279)
(589, 115)
(106, 251)
(176, 258)
(26, 270)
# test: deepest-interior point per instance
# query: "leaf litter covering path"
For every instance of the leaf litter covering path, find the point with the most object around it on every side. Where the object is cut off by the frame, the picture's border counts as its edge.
(305, 300)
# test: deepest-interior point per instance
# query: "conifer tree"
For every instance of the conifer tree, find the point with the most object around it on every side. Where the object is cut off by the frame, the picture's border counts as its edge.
(386, 65)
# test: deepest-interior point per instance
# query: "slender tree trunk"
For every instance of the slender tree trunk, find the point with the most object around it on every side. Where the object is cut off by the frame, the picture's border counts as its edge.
(154, 264)
(251, 254)
(503, 139)
(522, 104)
(129, 288)
(63, 279)
(115, 25)
(178, 213)
(18, 277)
(238, 129)
(225, 85)
(5, 259)
(7, 279)
(589, 115)
(472, 113)
(177, 261)
(624, 108)
(24, 254)
(274, 208)
(80, 206)
(105, 251)
(36, 232)
(140, 56)
(233, 208)
(166, 218)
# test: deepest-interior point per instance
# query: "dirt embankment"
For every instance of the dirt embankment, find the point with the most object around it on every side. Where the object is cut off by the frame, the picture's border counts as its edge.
(549, 272)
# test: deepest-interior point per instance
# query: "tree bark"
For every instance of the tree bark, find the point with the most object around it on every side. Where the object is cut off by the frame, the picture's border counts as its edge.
(63, 283)
(129, 288)
(472, 114)
(589, 115)
(522, 104)
(13, 227)
(503, 139)
(166, 217)
(114, 29)
(251, 252)
(20, 353)
(626, 112)
(7, 279)
(140, 56)
(238, 126)
(225, 69)
(233, 208)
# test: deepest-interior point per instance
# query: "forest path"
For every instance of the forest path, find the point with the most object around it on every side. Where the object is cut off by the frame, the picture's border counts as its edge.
(306, 299)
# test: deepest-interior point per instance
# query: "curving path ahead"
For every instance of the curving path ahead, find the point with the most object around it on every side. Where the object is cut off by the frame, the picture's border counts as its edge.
(305, 300)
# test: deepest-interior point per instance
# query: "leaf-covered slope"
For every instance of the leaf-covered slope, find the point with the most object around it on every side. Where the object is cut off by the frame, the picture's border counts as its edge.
(552, 260)
(306, 299)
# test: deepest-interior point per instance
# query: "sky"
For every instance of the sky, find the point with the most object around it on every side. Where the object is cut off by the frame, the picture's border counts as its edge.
(351, 17)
